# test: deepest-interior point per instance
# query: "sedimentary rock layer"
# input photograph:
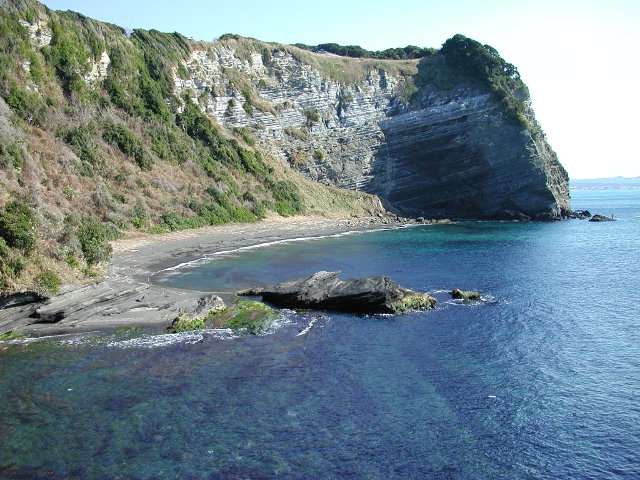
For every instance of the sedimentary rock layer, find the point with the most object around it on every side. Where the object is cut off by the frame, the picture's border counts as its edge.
(450, 150)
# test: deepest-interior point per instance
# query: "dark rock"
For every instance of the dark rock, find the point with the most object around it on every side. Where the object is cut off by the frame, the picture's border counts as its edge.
(601, 218)
(513, 215)
(547, 217)
(582, 214)
(325, 291)
(466, 295)
(19, 299)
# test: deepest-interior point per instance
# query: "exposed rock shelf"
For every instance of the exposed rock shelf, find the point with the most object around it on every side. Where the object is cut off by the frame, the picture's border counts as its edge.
(325, 291)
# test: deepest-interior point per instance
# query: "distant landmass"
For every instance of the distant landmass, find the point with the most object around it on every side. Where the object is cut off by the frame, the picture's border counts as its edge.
(613, 183)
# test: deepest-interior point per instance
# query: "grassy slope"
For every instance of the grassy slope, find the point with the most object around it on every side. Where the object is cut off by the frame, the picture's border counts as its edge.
(90, 160)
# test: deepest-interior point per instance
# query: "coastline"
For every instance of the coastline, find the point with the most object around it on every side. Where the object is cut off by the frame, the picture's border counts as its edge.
(126, 296)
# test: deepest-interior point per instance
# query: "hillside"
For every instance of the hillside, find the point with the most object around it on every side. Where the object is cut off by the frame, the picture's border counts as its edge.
(94, 142)
(103, 133)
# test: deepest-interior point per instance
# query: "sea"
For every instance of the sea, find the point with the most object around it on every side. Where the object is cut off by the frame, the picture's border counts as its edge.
(539, 380)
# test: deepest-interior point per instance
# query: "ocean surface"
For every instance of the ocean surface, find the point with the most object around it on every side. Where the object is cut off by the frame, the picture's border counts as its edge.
(540, 380)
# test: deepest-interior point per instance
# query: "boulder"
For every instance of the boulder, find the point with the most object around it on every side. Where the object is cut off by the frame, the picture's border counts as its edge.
(465, 295)
(601, 218)
(325, 291)
(203, 305)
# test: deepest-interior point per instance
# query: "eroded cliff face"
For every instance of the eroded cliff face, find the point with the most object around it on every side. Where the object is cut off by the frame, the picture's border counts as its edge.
(430, 150)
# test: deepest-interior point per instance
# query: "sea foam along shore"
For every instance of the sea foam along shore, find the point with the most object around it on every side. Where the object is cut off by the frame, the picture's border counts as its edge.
(127, 295)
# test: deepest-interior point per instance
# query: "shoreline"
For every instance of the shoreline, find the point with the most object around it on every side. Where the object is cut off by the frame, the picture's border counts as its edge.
(127, 296)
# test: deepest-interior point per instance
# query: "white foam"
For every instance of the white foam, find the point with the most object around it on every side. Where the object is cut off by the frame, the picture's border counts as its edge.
(66, 338)
(308, 327)
(153, 341)
(284, 319)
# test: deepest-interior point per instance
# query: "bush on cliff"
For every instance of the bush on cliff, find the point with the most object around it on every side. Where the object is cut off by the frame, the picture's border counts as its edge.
(482, 63)
(356, 51)
(47, 282)
(17, 226)
(93, 238)
(11, 265)
(123, 138)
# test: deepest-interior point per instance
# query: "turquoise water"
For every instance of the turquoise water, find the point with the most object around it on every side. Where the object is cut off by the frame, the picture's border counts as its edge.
(542, 380)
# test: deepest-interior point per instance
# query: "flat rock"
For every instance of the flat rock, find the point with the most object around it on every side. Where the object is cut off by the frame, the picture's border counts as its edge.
(94, 297)
(601, 218)
(325, 291)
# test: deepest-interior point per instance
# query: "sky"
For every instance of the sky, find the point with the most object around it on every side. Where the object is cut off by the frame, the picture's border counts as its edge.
(580, 59)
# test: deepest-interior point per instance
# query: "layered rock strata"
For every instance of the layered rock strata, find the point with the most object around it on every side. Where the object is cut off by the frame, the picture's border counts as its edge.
(450, 150)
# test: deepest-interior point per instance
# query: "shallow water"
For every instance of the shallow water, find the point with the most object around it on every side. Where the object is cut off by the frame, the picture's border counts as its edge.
(541, 380)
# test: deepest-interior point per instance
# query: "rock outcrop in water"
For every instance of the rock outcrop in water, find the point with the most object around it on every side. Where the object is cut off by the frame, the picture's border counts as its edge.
(325, 291)
(601, 218)
(465, 295)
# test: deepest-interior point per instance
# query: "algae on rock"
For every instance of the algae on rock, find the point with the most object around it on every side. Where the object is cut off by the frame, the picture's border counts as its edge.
(243, 315)
(254, 317)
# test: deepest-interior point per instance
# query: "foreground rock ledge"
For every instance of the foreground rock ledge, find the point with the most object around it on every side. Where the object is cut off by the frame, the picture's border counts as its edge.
(325, 291)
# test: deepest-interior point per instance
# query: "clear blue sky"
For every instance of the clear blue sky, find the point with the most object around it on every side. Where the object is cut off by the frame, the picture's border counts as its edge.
(579, 58)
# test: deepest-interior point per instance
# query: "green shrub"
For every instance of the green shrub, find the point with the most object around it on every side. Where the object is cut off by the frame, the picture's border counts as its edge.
(70, 258)
(67, 54)
(483, 64)
(297, 133)
(10, 264)
(123, 138)
(312, 116)
(17, 226)
(27, 105)
(47, 282)
(83, 143)
(243, 132)
(355, 51)
(93, 237)
(287, 197)
(69, 192)
(12, 155)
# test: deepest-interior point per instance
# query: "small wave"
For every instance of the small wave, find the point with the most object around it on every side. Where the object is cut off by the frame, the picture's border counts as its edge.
(65, 338)
(460, 303)
(485, 299)
(285, 319)
(308, 328)
(196, 336)
(154, 341)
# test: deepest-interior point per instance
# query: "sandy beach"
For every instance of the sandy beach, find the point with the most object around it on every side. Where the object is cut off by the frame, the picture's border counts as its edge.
(127, 296)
